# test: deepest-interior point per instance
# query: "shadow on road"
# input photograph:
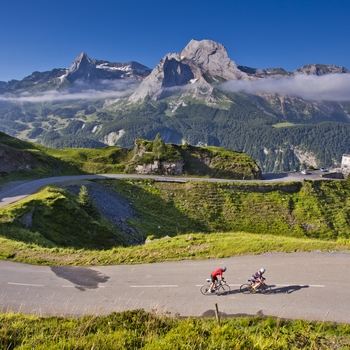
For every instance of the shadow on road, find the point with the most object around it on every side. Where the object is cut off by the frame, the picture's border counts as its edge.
(287, 289)
(82, 277)
(274, 290)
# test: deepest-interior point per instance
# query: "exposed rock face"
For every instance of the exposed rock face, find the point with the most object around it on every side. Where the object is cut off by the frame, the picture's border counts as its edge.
(176, 73)
(159, 167)
(200, 63)
(320, 69)
(265, 73)
(83, 68)
(112, 138)
(27, 219)
(12, 159)
(90, 70)
(211, 57)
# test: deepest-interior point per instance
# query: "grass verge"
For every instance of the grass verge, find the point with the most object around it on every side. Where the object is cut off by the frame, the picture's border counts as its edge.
(141, 330)
(190, 246)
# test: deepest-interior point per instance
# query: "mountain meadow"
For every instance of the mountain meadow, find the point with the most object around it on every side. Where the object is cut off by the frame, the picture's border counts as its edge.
(69, 223)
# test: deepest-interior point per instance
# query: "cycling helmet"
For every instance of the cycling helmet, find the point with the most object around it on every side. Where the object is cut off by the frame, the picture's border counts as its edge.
(224, 268)
(262, 270)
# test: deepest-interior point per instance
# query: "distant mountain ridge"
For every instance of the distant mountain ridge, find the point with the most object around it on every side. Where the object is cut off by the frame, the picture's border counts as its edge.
(186, 98)
(204, 62)
(83, 68)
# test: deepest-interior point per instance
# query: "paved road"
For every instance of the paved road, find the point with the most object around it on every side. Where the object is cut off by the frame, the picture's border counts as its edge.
(17, 190)
(311, 286)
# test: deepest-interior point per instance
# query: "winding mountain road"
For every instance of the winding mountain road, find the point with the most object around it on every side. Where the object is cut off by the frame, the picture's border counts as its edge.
(12, 192)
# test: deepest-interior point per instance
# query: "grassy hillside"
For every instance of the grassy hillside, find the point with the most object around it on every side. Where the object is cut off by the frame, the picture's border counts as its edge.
(193, 220)
(25, 160)
(315, 209)
(58, 220)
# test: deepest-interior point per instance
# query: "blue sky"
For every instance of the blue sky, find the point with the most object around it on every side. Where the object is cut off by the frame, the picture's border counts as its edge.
(40, 35)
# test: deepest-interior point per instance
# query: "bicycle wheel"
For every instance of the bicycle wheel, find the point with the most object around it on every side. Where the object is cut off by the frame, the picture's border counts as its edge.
(205, 289)
(223, 289)
(264, 289)
(246, 288)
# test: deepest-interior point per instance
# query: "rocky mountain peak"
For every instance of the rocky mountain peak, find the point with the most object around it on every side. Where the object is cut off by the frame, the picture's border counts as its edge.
(83, 61)
(82, 68)
(202, 62)
(205, 52)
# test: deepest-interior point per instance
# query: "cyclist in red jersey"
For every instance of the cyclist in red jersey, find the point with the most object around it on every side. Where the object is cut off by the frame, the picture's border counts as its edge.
(214, 277)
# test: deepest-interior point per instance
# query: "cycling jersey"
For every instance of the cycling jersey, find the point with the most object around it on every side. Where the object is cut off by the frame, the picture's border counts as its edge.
(257, 276)
(217, 272)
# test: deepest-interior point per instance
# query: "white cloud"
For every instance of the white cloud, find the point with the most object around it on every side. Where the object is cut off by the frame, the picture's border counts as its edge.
(79, 91)
(331, 87)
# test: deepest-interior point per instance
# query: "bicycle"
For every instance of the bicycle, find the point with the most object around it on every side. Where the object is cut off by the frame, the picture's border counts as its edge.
(220, 288)
(247, 288)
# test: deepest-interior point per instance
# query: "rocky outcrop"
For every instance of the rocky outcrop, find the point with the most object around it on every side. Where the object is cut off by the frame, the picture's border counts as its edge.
(211, 58)
(27, 219)
(12, 159)
(321, 69)
(200, 63)
(162, 168)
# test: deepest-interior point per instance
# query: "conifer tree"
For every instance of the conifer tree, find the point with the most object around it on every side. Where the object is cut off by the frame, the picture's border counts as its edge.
(159, 146)
(87, 204)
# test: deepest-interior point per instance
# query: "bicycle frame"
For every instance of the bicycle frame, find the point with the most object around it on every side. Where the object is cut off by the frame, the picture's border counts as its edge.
(220, 288)
(248, 288)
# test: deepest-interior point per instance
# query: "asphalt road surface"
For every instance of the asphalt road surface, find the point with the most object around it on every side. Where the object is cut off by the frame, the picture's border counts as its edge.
(14, 191)
(311, 286)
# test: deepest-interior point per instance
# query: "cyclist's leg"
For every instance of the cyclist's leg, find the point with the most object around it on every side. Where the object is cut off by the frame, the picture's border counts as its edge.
(255, 283)
(213, 283)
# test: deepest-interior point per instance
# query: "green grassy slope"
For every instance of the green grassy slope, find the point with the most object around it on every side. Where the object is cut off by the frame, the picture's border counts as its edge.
(57, 221)
(221, 219)
(315, 209)
(39, 161)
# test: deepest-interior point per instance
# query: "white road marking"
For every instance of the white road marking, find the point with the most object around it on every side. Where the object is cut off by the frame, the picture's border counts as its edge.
(277, 285)
(41, 285)
(156, 286)
(170, 285)
(26, 284)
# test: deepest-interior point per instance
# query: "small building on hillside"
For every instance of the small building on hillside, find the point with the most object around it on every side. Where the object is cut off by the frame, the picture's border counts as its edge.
(345, 164)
